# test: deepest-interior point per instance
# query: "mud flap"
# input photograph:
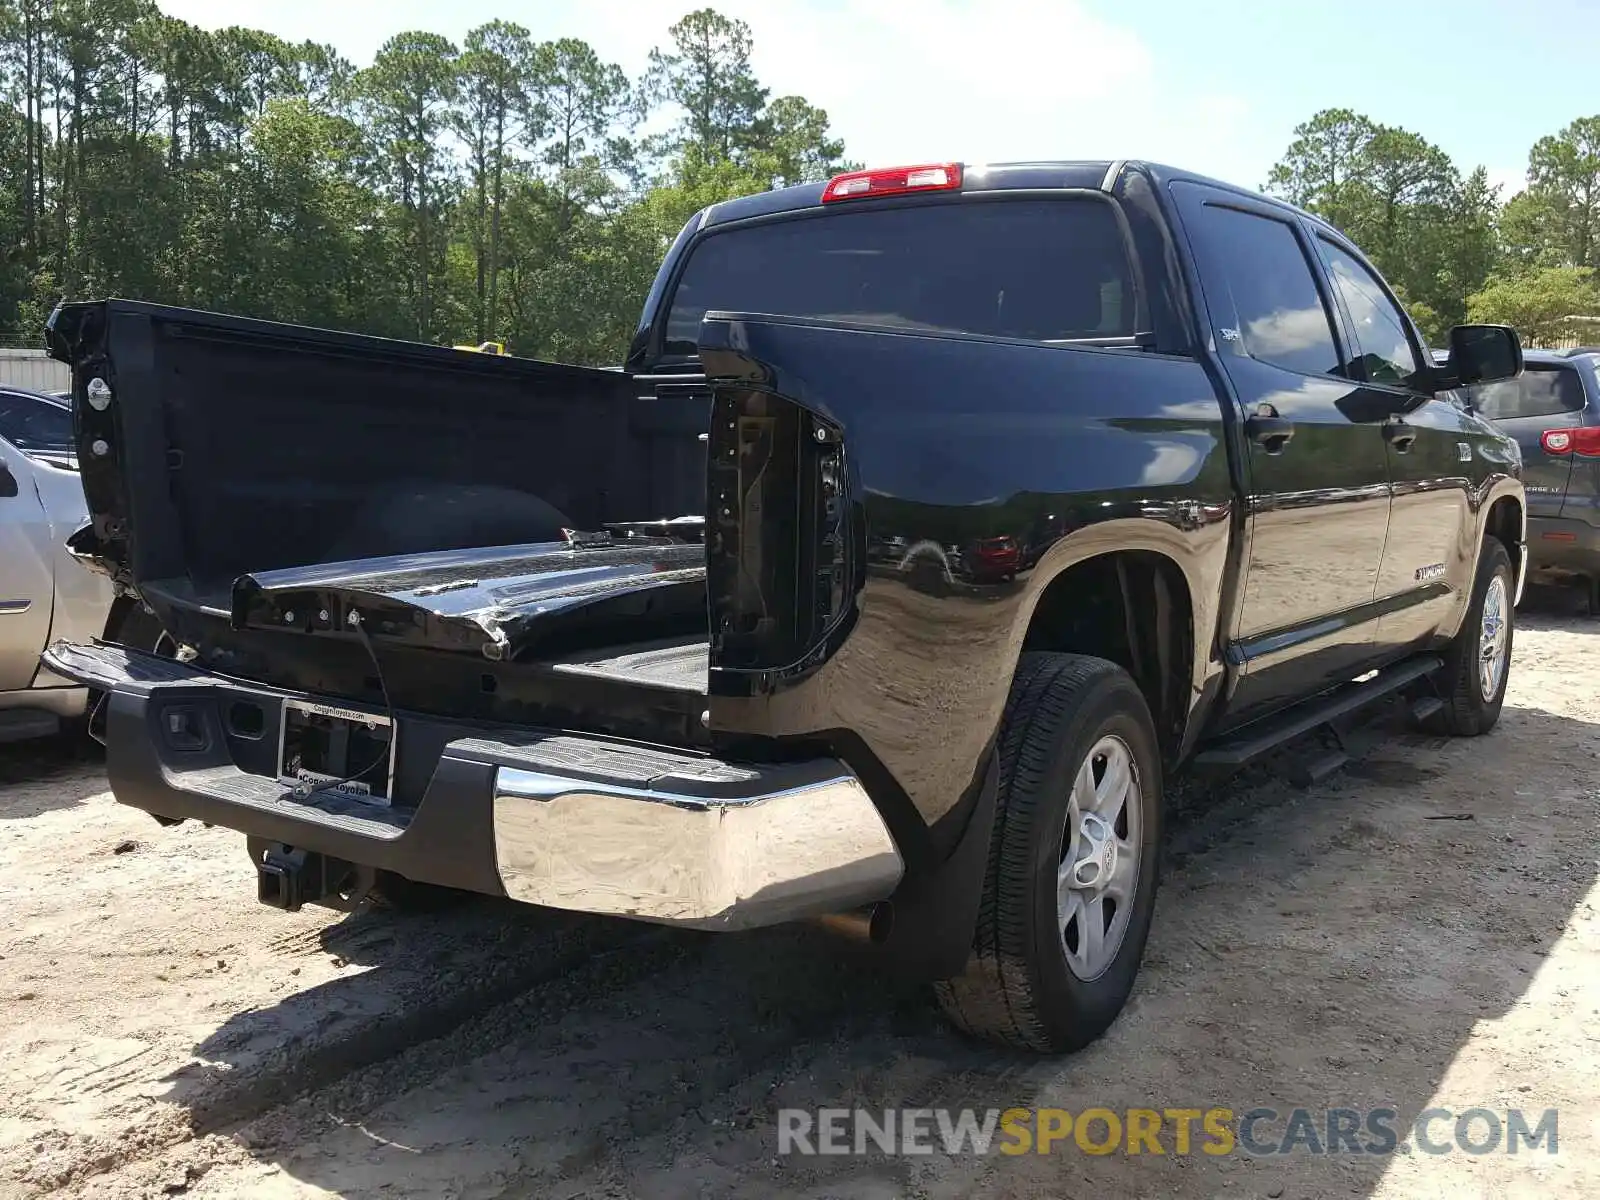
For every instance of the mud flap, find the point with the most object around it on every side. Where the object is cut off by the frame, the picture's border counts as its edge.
(936, 911)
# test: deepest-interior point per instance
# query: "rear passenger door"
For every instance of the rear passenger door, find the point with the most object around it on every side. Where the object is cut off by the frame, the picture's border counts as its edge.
(1316, 479)
(1433, 453)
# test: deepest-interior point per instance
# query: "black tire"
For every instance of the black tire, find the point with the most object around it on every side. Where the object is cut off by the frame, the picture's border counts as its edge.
(1467, 712)
(1017, 988)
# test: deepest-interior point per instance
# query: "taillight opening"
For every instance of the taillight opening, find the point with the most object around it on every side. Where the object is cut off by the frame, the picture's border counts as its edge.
(893, 181)
(1583, 441)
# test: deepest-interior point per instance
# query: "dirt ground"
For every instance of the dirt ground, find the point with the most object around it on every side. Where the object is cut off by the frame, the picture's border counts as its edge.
(1417, 931)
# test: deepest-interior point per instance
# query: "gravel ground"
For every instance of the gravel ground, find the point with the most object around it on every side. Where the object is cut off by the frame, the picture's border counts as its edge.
(1417, 931)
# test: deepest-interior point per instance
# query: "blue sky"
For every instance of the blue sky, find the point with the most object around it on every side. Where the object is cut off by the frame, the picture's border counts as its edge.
(1215, 87)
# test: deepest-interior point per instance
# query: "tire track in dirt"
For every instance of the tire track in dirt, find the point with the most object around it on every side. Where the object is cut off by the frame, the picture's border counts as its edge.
(1292, 927)
(603, 1058)
(778, 997)
(145, 1000)
(304, 1064)
(522, 964)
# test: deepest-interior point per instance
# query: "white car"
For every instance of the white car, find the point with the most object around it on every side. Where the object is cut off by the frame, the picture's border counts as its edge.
(45, 594)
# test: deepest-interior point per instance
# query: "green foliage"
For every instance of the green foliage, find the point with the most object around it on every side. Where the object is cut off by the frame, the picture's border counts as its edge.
(1541, 303)
(495, 190)
(707, 75)
(501, 189)
(1444, 240)
(1399, 198)
(1564, 181)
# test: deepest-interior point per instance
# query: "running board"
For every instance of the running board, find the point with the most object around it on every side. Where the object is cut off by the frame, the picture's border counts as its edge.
(1271, 732)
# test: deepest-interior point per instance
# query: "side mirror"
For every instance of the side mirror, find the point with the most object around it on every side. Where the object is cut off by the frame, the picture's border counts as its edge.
(8, 482)
(1482, 354)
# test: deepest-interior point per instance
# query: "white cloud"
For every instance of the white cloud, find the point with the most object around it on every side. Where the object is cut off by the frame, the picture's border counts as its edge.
(1287, 331)
(1002, 79)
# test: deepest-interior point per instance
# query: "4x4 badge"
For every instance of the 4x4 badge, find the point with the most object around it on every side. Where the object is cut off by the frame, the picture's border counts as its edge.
(1464, 451)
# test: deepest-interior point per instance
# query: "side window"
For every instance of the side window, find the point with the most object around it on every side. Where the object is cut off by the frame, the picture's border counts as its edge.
(1281, 315)
(35, 425)
(11, 417)
(1380, 330)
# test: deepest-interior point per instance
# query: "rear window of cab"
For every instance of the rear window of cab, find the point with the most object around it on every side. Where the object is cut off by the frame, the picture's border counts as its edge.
(1044, 270)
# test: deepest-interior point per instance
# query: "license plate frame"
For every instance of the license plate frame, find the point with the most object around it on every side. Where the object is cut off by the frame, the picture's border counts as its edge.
(345, 734)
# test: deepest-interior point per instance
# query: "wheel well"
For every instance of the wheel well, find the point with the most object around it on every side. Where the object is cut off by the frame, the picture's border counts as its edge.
(1132, 607)
(1505, 523)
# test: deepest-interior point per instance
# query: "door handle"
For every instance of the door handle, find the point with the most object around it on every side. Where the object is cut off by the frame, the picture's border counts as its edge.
(1268, 430)
(1400, 436)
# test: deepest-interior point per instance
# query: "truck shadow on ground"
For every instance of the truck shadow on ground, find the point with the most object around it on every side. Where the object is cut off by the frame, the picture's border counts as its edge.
(40, 776)
(1336, 947)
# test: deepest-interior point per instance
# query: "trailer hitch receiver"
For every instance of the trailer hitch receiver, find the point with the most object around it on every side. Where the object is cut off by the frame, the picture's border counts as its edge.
(288, 878)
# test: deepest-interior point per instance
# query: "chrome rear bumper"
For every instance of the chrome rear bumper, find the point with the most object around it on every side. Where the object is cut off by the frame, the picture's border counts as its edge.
(588, 824)
(749, 858)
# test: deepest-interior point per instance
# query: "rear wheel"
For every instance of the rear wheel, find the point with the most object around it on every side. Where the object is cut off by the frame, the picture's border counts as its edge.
(1477, 664)
(1074, 858)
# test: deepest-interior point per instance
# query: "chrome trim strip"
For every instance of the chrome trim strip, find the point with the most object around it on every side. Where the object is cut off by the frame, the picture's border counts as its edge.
(713, 863)
(8, 607)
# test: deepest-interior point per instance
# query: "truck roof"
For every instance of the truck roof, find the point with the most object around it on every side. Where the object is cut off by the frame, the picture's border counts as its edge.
(1099, 174)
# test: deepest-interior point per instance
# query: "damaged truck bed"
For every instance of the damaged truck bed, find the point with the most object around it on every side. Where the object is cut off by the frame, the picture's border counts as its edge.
(443, 619)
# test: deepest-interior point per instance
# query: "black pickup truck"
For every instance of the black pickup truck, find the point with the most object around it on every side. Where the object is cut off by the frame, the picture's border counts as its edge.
(937, 517)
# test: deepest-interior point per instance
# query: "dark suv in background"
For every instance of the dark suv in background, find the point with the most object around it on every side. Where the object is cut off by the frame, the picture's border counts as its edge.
(1553, 411)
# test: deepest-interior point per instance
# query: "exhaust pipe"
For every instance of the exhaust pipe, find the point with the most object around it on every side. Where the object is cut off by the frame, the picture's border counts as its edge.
(869, 925)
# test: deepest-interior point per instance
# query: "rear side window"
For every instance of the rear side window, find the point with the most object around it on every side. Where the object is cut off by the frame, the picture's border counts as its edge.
(35, 426)
(1040, 270)
(1540, 391)
(1282, 319)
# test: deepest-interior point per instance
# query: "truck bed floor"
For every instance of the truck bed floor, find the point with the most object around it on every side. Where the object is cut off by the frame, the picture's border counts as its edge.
(681, 664)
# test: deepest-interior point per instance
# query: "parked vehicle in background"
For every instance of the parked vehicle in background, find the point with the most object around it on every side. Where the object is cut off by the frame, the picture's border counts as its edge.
(427, 638)
(988, 560)
(1553, 411)
(45, 594)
